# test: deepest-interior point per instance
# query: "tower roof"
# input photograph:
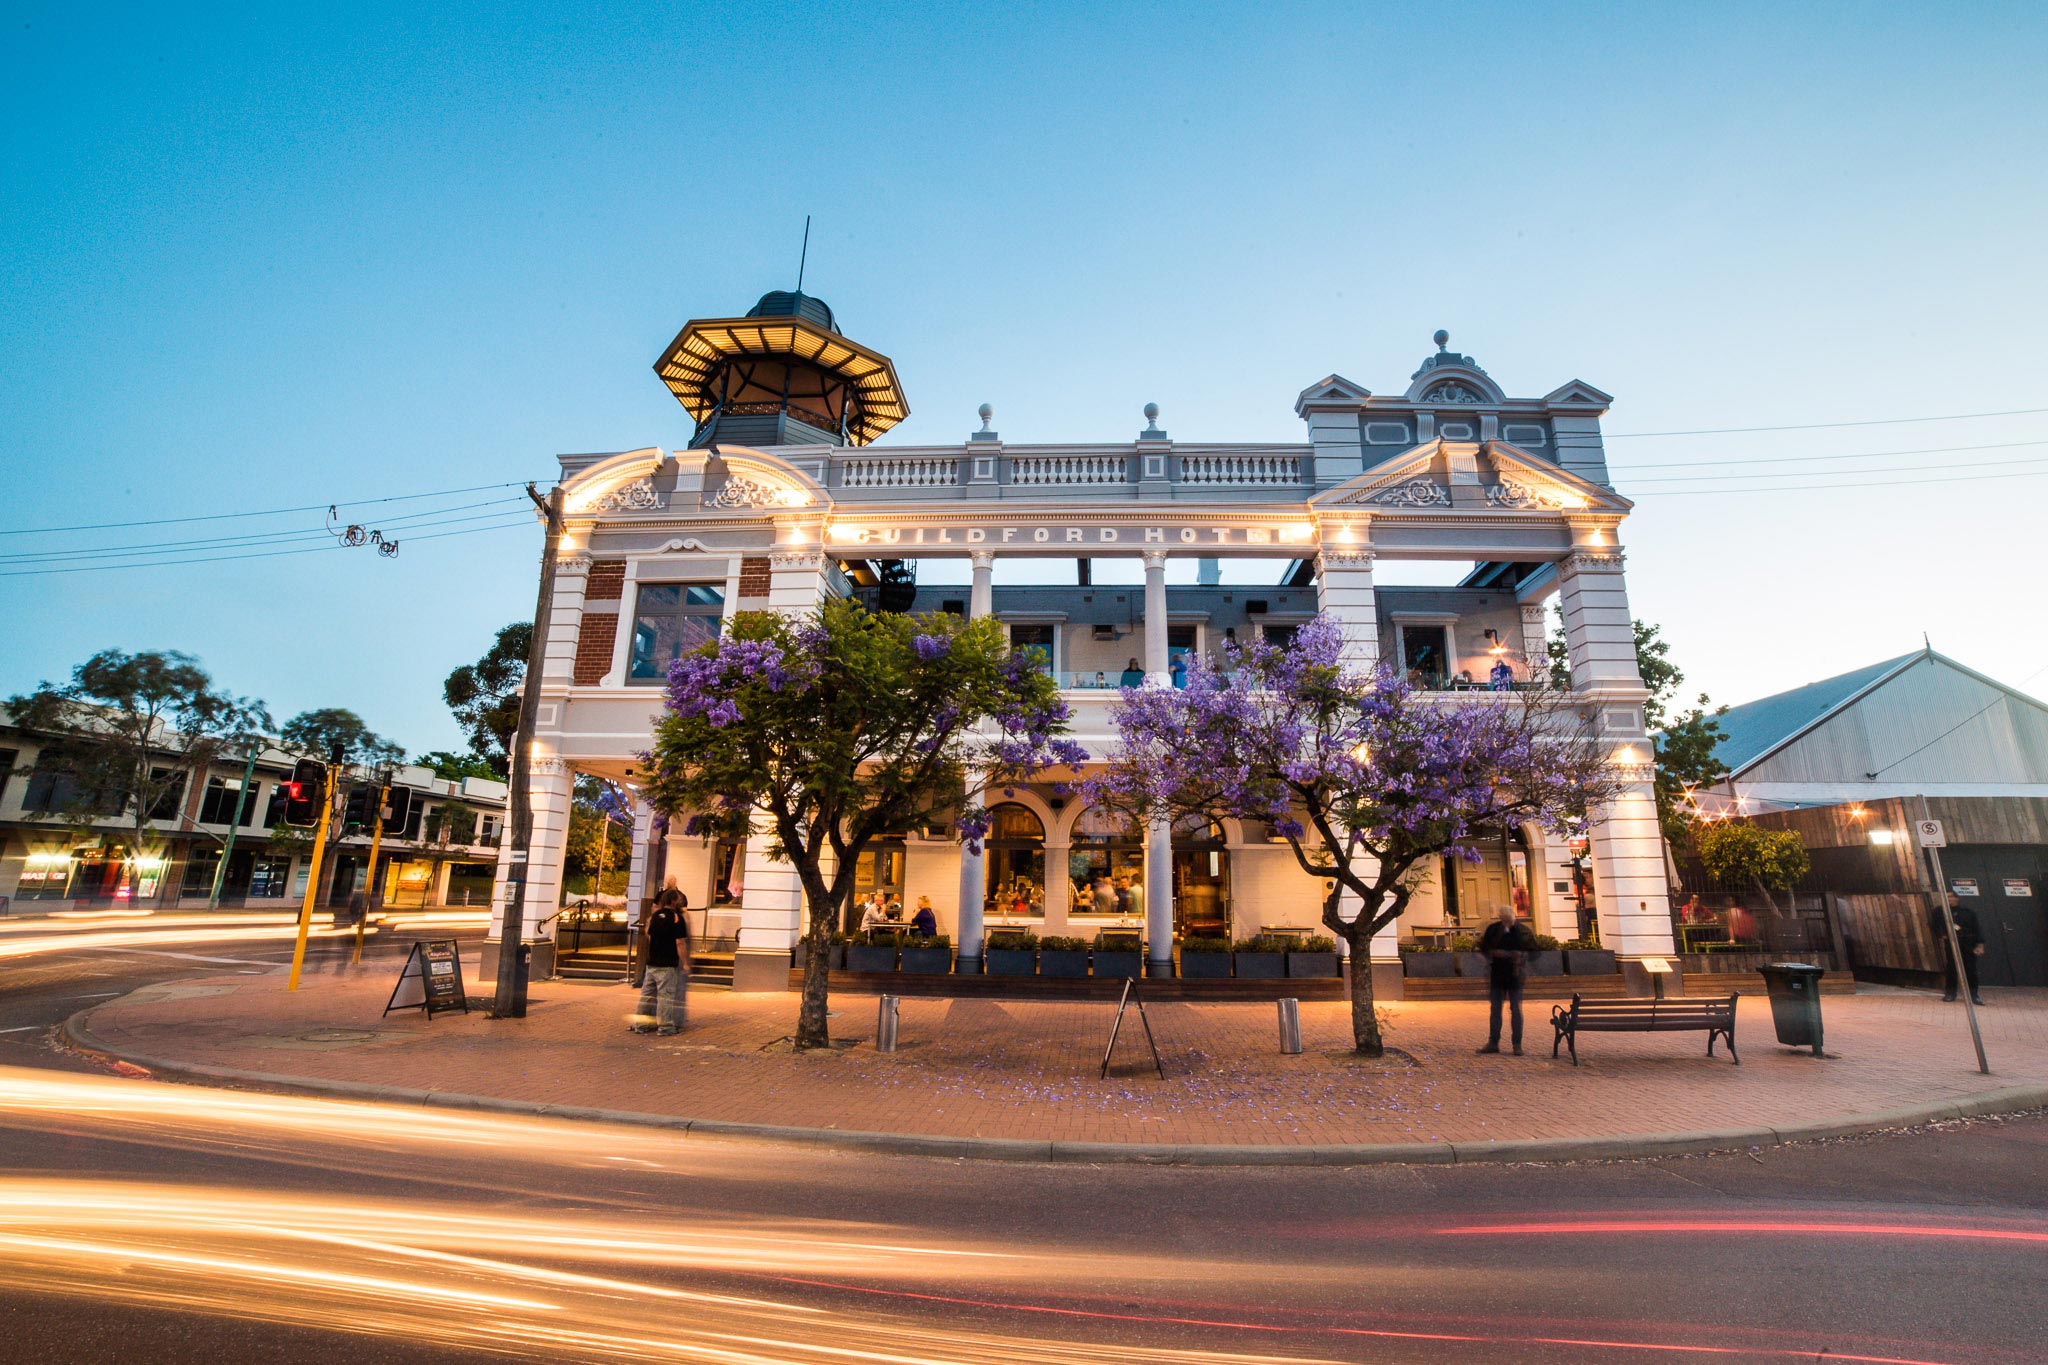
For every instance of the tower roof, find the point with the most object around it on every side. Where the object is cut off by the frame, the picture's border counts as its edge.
(787, 357)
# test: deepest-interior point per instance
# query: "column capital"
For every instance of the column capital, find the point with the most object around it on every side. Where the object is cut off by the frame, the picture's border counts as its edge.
(796, 559)
(1345, 559)
(575, 563)
(1582, 561)
(1154, 559)
(982, 559)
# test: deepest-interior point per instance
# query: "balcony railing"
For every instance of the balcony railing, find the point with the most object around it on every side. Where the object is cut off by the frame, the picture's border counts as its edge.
(1274, 470)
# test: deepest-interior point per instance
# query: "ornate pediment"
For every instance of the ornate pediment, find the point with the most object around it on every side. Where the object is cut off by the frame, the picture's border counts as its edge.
(1421, 491)
(1422, 477)
(1525, 482)
(1579, 394)
(638, 495)
(1334, 390)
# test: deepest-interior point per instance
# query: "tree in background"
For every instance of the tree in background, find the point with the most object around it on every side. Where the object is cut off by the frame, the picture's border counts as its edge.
(600, 842)
(839, 727)
(453, 767)
(1684, 743)
(1738, 851)
(1369, 782)
(133, 732)
(485, 696)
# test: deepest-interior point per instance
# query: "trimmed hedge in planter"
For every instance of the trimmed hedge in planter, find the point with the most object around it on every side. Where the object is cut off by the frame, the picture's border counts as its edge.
(1473, 964)
(1205, 959)
(1011, 954)
(1260, 958)
(929, 956)
(1590, 961)
(1544, 962)
(1119, 964)
(1429, 964)
(871, 957)
(1063, 957)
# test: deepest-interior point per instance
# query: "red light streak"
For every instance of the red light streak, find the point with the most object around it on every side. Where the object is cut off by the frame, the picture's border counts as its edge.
(1780, 1227)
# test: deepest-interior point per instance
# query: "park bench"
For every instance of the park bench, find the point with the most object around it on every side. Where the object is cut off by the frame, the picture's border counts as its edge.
(1713, 1016)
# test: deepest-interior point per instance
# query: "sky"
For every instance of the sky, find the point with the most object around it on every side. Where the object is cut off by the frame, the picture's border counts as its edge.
(283, 257)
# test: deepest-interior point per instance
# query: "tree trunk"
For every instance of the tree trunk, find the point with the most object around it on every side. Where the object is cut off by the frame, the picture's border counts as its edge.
(1365, 1019)
(811, 1027)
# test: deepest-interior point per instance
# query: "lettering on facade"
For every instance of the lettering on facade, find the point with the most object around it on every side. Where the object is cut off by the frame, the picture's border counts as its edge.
(1302, 534)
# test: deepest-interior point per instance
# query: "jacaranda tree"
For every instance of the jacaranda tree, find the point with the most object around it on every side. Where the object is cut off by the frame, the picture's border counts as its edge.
(1369, 781)
(836, 728)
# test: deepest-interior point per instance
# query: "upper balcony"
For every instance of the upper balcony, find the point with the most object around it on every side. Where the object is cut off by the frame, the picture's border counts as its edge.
(1258, 473)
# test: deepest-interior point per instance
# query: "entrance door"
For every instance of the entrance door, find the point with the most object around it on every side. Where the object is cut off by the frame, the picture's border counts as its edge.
(1201, 892)
(2010, 909)
(1482, 886)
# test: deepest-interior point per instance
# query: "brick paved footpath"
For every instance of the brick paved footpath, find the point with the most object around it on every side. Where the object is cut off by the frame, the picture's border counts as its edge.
(1005, 1069)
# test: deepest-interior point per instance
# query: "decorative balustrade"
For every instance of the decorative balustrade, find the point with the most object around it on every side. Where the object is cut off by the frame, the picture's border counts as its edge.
(909, 472)
(1068, 470)
(1240, 469)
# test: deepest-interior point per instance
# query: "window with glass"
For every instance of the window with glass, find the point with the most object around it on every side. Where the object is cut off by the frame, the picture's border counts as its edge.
(728, 869)
(669, 621)
(1201, 878)
(1279, 636)
(45, 875)
(217, 804)
(268, 878)
(1426, 654)
(1106, 865)
(1014, 859)
(1036, 638)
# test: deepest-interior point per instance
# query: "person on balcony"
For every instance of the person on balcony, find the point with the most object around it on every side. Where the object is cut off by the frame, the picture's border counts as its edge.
(1501, 676)
(1134, 676)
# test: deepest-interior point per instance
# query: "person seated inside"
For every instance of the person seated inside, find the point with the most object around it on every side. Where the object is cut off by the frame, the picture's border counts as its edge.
(871, 916)
(925, 922)
(1134, 676)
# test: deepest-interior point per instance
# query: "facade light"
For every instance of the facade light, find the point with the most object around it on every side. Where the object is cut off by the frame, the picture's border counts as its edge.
(1881, 837)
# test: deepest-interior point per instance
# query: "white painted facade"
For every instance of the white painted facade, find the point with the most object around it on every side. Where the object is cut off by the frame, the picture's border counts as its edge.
(1448, 469)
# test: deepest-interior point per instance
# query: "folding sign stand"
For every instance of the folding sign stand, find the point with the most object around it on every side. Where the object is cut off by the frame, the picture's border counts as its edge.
(1129, 998)
(431, 981)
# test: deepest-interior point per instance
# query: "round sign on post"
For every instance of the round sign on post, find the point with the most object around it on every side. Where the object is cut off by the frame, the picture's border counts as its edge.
(1931, 835)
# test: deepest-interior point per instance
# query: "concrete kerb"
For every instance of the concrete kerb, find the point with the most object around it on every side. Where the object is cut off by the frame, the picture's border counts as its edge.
(2012, 1099)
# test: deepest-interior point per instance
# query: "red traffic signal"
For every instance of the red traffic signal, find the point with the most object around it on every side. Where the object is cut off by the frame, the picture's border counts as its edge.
(303, 793)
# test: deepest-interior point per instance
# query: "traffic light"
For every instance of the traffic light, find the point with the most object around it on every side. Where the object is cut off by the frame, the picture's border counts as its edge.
(303, 794)
(359, 812)
(397, 807)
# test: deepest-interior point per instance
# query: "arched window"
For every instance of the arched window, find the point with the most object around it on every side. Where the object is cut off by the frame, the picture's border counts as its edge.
(1015, 861)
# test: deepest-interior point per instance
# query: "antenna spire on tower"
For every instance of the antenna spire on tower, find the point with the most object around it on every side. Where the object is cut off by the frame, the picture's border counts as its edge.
(802, 259)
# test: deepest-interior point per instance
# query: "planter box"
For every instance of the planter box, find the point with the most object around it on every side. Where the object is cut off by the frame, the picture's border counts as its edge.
(1545, 963)
(1590, 961)
(870, 957)
(1119, 964)
(1261, 966)
(928, 961)
(1011, 961)
(1311, 964)
(1474, 964)
(1205, 966)
(837, 961)
(1062, 962)
(1429, 964)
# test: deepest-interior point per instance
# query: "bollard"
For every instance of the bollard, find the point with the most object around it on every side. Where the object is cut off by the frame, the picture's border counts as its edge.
(1290, 1026)
(885, 1025)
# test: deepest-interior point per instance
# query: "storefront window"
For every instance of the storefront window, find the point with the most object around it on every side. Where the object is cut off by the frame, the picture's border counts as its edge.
(1015, 862)
(1107, 865)
(670, 620)
(45, 876)
(1201, 878)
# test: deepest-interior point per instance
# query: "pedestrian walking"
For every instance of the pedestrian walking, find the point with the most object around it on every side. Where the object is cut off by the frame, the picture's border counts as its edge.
(1969, 938)
(662, 999)
(1506, 945)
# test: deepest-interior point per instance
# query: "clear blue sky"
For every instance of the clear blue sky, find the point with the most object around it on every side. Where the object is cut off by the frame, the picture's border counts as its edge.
(299, 255)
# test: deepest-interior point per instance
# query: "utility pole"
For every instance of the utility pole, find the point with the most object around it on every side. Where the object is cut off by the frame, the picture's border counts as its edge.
(375, 898)
(242, 806)
(510, 1000)
(1955, 947)
(313, 872)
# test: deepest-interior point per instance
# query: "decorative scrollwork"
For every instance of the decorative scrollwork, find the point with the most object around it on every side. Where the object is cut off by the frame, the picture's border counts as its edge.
(637, 496)
(740, 492)
(1451, 393)
(1417, 492)
(1508, 493)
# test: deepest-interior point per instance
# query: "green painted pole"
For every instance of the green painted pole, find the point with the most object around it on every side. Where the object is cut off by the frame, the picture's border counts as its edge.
(227, 850)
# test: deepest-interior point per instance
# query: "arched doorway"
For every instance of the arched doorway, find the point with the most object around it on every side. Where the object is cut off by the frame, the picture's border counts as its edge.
(1106, 864)
(1201, 878)
(1015, 861)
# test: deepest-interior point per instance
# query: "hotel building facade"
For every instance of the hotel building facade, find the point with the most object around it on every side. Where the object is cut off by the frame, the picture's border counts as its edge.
(782, 500)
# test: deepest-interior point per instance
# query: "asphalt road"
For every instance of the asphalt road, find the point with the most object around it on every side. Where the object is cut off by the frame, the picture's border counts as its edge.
(140, 1220)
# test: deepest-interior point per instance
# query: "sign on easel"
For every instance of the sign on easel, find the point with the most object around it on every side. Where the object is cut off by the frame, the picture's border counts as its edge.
(1123, 1003)
(431, 981)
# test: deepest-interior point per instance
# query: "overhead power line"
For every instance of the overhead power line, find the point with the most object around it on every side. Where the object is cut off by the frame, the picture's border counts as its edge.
(1835, 487)
(229, 542)
(1808, 459)
(1823, 426)
(1857, 478)
(267, 512)
(522, 520)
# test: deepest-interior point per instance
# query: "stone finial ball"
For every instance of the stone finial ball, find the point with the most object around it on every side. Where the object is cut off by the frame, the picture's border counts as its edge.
(1151, 412)
(985, 411)
(1442, 338)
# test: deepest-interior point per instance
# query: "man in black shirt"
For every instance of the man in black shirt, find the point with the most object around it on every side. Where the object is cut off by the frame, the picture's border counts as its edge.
(1969, 937)
(1504, 944)
(668, 963)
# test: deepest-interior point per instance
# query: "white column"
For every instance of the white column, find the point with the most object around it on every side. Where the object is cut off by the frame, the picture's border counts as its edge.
(565, 620)
(1158, 895)
(1156, 671)
(1628, 848)
(1059, 890)
(981, 597)
(549, 788)
(1344, 592)
(796, 580)
(771, 918)
(637, 889)
(443, 873)
(1535, 647)
(973, 894)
